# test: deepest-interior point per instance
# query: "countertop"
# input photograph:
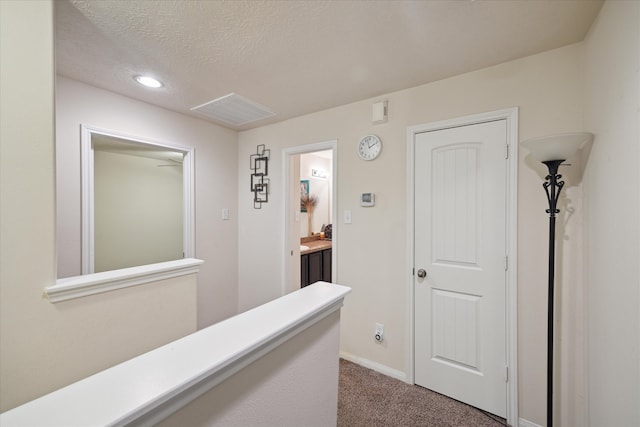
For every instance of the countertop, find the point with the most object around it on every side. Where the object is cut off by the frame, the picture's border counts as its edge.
(315, 246)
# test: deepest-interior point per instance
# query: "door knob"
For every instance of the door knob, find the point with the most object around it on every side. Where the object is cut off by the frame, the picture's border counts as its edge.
(422, 273)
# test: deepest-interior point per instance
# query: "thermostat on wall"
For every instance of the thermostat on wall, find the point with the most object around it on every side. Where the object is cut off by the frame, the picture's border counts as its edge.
(368, 199)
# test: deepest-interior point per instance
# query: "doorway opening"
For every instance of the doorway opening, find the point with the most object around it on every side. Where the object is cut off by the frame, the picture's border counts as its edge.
(310, 233)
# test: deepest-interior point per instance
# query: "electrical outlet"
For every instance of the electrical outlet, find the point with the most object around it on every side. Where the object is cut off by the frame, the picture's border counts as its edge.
(379, 332)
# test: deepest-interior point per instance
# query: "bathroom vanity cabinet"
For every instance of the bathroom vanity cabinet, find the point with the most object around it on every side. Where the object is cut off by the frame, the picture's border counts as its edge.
(315, 265)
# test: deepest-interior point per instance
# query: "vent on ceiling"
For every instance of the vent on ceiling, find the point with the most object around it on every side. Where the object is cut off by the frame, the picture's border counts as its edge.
(233, 109)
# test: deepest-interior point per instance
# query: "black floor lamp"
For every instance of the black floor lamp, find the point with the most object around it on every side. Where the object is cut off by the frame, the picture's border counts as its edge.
(552, 151)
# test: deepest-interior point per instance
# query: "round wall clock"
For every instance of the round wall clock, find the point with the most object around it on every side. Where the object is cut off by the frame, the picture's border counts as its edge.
(369, 147)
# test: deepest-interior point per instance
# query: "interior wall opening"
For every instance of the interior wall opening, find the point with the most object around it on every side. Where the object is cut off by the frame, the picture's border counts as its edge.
(315, 217)
(310, 233)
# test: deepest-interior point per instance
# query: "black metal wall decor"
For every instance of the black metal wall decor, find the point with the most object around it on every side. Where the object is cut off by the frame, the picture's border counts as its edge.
(259, 165)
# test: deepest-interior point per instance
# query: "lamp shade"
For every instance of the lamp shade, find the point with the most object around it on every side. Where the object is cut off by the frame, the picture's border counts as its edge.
(556, 147)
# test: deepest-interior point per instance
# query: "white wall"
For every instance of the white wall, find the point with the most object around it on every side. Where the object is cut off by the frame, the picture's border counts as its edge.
(215, 183)
(371, 254)
(612, 204)
(45, 346)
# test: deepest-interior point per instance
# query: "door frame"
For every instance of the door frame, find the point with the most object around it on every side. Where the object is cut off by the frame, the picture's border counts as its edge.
(286, 155)
(511, 150)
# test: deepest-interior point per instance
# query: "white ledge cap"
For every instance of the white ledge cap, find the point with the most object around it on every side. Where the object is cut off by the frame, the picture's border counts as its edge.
(556, 147)
(89, 284)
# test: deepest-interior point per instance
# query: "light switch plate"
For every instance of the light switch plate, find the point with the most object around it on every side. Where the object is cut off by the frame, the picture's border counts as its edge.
(347, 217)
(225, 214)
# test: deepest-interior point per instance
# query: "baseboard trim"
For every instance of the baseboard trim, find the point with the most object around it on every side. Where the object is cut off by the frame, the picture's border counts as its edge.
(378, 367)
(524, 423)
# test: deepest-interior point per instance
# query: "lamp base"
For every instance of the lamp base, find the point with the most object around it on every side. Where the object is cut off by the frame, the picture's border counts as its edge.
(552, 187)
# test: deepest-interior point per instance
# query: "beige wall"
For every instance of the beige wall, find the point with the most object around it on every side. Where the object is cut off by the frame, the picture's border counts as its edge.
(612, 205)
(215, 182)
(294, 385)
(138, 210)
(372, 250)
(45, 346)
(550, 90)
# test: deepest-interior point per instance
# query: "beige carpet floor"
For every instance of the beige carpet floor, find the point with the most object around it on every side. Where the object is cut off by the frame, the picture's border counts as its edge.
(368, 398)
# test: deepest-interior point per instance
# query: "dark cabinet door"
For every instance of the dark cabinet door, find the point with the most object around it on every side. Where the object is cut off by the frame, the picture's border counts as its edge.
(326, 265)
(304, 270)
(315, 267)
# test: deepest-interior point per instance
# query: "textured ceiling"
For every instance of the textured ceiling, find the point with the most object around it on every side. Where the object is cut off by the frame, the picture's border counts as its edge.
(299, 57)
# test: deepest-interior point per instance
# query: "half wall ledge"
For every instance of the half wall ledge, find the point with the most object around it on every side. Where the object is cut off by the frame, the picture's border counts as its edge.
(90, 284)
(153, 386)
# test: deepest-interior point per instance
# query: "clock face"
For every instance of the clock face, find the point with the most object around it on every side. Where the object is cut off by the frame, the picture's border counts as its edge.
(369, 147)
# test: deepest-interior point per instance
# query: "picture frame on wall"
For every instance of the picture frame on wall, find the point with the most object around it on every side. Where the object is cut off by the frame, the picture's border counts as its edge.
(304, 191)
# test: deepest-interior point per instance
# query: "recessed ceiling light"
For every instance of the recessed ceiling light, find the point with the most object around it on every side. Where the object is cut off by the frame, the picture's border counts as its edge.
(149, 81)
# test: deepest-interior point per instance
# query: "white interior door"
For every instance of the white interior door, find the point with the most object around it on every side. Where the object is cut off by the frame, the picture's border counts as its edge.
(460, 243)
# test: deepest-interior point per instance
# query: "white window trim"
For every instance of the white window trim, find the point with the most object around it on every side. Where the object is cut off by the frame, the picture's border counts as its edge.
(188, 168)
